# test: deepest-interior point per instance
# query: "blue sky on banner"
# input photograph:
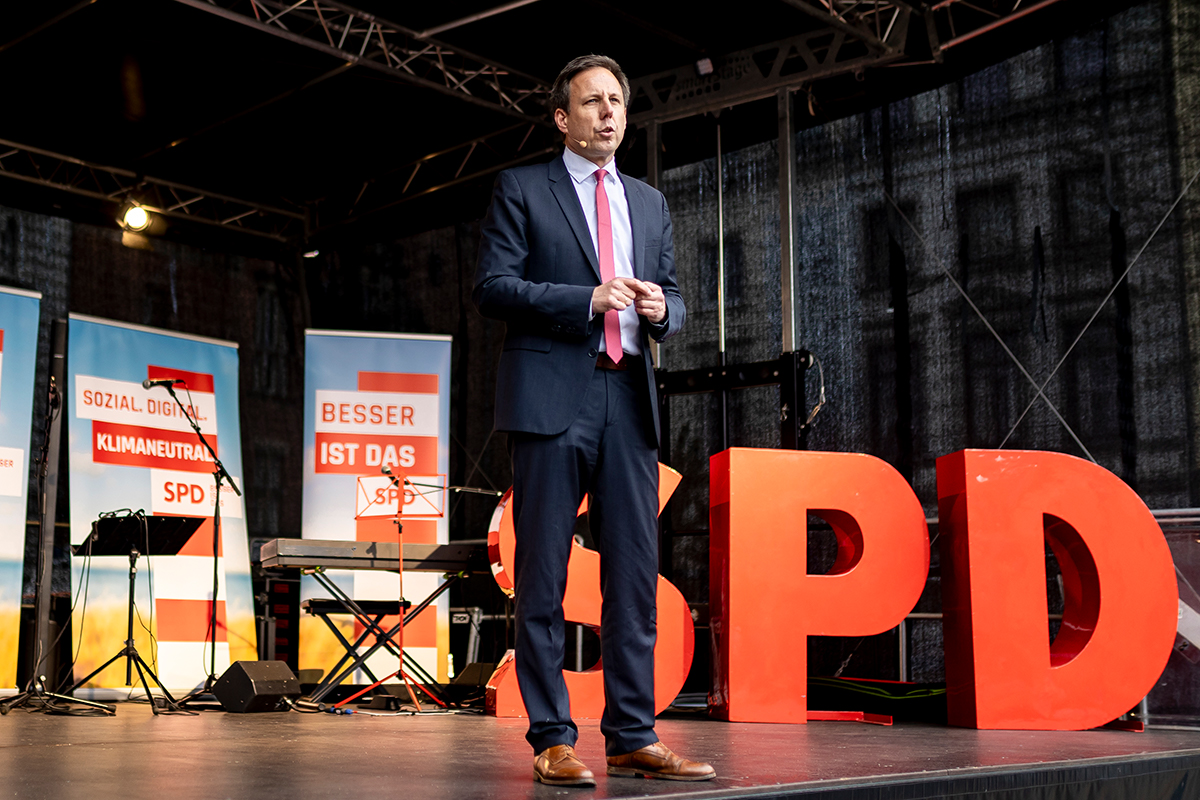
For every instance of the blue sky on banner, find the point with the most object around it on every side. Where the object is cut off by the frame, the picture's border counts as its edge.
(18, 356)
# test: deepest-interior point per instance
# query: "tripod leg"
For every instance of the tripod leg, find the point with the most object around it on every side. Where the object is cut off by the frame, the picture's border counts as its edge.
(425, 691)
(12, 702)
(41, 694)
(408, 684)
(102, 706)
(171, 702)
(97, 671)
(361, 692)
(137, 662)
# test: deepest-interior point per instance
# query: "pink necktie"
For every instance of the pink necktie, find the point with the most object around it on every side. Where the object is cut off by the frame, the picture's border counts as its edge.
(608, 270)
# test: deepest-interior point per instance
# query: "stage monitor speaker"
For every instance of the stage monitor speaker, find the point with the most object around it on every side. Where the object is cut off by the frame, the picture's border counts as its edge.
(256, 686)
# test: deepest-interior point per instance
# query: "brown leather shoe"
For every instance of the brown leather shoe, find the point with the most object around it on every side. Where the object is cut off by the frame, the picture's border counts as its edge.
(559, 766)
(657, 761)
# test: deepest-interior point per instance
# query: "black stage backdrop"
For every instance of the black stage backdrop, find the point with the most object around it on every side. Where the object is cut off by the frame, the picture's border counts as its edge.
(1031, 182)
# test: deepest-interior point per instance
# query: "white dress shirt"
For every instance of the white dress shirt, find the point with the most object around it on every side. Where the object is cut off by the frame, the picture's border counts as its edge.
(583, 173)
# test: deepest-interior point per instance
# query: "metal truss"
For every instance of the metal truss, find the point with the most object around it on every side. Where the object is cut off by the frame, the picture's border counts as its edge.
(859, 35)
(963, 20)
(366, 40)
(166, 198)
(868, 20)
(440, 170)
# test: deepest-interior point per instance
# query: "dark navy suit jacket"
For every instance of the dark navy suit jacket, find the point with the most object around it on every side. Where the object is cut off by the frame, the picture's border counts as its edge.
(536, 272)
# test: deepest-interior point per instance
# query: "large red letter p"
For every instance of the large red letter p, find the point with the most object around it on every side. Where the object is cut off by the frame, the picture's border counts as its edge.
(764, 605)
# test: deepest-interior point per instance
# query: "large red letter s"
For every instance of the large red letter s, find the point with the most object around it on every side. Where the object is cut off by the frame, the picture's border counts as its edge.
(996, 509)
(581, 604)
(762, 603)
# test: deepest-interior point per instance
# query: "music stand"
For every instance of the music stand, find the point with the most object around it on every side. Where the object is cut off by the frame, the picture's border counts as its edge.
(398, 480)
(135, 535)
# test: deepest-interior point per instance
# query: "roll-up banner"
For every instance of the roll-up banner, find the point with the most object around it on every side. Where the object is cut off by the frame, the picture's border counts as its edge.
(371, 401)
(18, 356)
(132, 449)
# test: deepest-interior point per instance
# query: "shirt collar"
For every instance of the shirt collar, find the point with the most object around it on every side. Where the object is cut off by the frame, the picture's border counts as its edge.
(581, 169)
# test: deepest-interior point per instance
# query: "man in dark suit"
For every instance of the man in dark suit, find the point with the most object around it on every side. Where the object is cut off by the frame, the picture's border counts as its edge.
(578, 261)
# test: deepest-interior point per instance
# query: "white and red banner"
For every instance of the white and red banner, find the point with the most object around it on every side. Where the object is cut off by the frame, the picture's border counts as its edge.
(375, 402)
(19, 312)
(133, 449)
(135, 427)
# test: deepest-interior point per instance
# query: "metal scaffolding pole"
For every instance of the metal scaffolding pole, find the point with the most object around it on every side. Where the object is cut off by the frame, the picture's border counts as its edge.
(787, 182)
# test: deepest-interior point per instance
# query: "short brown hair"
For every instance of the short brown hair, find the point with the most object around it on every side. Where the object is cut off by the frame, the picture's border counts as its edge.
(560, 93)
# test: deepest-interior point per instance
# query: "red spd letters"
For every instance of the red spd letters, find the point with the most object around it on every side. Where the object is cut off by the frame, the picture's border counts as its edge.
(997, 509)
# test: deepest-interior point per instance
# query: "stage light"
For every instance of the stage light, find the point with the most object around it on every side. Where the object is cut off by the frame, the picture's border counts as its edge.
(135, 218)
(312, 254)
(704, 67)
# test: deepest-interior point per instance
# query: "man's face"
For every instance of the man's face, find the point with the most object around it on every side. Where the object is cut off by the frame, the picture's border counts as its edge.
(594, 122)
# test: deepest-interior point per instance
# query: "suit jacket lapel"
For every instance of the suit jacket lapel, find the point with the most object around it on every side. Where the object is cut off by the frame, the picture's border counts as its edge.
(562, 186)
(637, 226)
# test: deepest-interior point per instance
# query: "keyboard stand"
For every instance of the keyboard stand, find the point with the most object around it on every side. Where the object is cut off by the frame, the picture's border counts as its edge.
(370, 615)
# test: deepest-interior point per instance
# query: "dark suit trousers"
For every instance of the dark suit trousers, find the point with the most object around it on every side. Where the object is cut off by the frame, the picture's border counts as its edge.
(604, 453)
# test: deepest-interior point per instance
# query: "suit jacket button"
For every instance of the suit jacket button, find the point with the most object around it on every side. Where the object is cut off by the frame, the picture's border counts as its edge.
(591, 352)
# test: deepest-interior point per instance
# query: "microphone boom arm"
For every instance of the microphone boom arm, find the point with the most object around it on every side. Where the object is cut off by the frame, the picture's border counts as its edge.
(222, 472)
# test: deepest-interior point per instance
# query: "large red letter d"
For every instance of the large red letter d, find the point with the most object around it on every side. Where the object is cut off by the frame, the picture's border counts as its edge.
(996, 510)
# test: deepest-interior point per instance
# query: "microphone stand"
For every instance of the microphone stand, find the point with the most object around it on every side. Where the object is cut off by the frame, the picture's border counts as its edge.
(220, 474)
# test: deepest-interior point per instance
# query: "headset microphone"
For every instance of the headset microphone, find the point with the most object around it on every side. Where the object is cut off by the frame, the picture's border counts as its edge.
(583, 143)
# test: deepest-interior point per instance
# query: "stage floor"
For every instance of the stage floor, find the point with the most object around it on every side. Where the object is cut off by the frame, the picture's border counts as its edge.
(135, 756)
